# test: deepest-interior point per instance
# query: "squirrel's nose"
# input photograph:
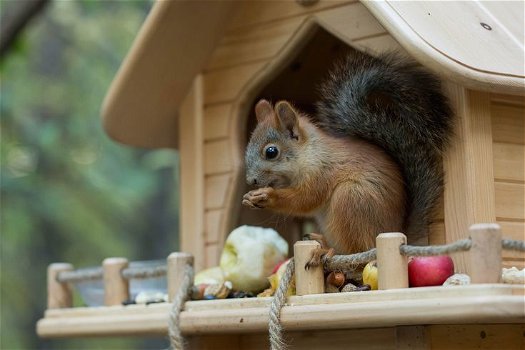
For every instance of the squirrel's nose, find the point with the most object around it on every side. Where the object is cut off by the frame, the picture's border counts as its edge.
(252, 181)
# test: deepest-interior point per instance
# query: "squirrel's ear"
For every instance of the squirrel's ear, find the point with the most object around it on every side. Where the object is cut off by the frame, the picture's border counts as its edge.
(263, 110)
(288, 118)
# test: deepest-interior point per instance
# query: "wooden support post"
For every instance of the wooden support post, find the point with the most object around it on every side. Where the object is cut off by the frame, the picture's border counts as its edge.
(392, 267)
(116, 287)
(309, 281)
(485, 253)
(176, 263)
(59, 295)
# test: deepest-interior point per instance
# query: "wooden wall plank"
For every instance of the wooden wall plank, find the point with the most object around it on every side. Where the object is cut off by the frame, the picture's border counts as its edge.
(192, 174)
(510, 201)
(217, 121)
(217, 157)
(496, 336)
(378, 44)
(224, 85)
(251, 13)
(217, 187)
(508, 123)
(253, 44)
(509, 162)
(213, 225)
(469, 190)
(213, 254)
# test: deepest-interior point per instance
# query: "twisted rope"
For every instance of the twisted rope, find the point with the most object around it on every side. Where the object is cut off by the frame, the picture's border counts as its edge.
(458, 246)
(349, 262)
(278, 301)
(89, 274)
(144, 272)
(175, 335)
(513, 244)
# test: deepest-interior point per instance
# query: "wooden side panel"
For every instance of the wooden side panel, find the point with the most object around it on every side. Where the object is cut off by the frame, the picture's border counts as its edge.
(213, 224)
(217, 122)
(502, 336)
(217, 187)
(469, 190)
(251, 13)
(217, 157)
(508, 120)
(192, 174)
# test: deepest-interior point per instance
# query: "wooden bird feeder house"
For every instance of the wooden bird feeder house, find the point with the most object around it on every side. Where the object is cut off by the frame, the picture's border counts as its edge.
(190, 82)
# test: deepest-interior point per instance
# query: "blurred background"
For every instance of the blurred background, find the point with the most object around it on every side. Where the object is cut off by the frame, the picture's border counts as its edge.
(68, 193)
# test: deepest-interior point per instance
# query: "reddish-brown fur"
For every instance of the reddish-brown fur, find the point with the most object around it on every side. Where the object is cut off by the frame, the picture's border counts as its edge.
(352, 187)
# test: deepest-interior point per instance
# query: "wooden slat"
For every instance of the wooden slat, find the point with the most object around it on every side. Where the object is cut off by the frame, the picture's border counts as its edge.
(437, 233)
(217, 187)
(510, 201)
(192, 174)
(469, 179)
(512, 230)
(224, 85)
(251, 13)
(213, 254)
(213, 225)
(508, 99)
(217, 121)
(378, 44)
(217, 157)
(350, 22)
(477, 336)
(508, 123)
(253, 44)
(408, 310)
(509, 162)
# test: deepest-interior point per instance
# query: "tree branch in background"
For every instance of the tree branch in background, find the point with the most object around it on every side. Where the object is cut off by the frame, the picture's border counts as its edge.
(15, 16)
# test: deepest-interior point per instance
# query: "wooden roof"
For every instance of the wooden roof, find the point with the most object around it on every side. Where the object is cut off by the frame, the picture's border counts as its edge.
(478, 44)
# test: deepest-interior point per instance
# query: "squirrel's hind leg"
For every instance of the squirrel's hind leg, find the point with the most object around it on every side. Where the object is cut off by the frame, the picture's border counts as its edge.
(323, 252)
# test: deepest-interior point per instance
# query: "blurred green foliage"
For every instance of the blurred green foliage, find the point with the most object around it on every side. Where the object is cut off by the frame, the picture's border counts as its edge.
(68, 193)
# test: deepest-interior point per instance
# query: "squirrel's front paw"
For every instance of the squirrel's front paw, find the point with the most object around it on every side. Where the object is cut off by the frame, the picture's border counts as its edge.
(258, 199)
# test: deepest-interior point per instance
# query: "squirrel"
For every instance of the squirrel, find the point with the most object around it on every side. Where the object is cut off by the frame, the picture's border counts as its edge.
(368, 161)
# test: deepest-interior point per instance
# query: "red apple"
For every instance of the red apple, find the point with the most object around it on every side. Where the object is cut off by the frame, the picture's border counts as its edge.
(429, 270)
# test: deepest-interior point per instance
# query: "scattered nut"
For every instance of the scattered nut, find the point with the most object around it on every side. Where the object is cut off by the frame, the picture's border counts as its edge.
(458, 279)
(513, 275)
(349, 287)
(336, 278)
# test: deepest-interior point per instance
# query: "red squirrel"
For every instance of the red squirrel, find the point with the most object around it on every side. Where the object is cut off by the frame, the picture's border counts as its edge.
(367, 162)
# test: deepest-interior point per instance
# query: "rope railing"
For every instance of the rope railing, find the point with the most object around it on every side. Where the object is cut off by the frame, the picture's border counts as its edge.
(97, 273)
(183, 271)
(349, 262)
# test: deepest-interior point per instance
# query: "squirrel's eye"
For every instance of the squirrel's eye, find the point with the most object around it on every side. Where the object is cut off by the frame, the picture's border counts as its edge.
(271, 152)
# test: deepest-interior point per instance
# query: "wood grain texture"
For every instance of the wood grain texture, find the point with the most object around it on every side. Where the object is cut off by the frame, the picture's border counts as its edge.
(250, 13)
(218, 157)
(217, 187)
(469, 192)
(446, 39)
(485, 253)
(141, 104)
(176, 265)
(307, 281)
(509, 162)
(508, 123)
(391, 265)
(458, 305)
(192, 174)
(213, 225)
(510, 201)
(59, 295)
(217, 121)
(483, 336)
(116, 287)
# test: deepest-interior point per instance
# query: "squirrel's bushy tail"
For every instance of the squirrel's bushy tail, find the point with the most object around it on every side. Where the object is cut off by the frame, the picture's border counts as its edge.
(399, 106)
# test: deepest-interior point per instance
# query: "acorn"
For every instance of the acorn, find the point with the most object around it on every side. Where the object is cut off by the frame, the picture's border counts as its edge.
(336, 278)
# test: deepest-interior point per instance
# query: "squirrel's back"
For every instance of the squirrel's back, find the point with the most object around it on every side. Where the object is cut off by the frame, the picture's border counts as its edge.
(399, 106)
